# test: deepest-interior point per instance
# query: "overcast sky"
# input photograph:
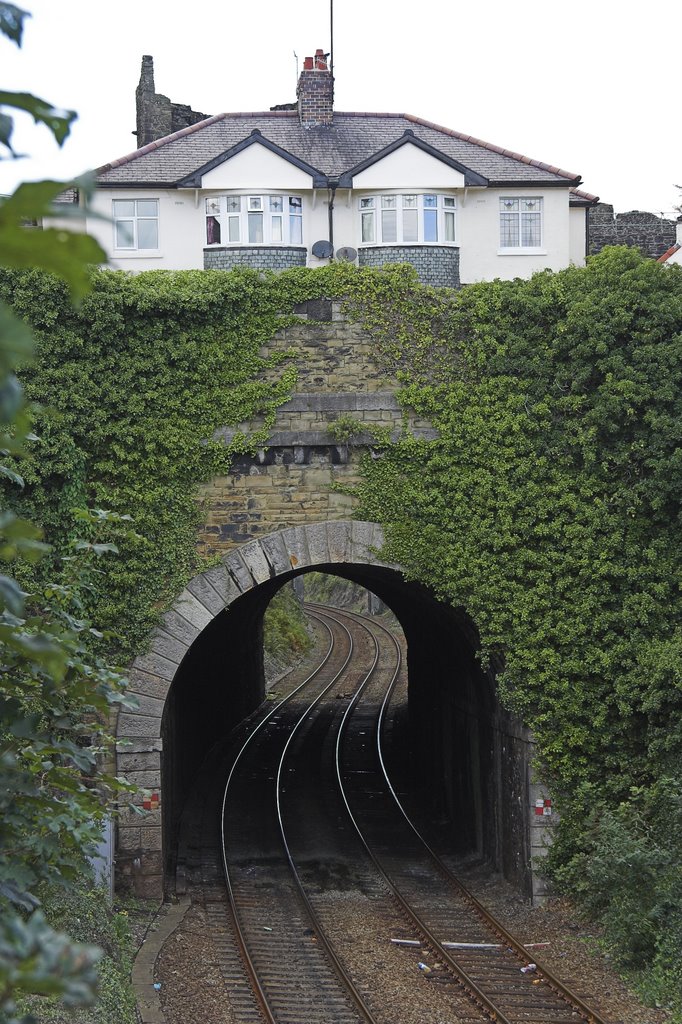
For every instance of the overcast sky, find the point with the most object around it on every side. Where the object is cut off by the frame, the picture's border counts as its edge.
(595, 89)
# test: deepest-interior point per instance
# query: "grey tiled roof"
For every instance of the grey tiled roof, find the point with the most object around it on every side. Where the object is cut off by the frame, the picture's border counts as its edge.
(353, 138)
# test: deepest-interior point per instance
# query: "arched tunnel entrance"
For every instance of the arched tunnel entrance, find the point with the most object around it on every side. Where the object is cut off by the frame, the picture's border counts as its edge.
(467, 754)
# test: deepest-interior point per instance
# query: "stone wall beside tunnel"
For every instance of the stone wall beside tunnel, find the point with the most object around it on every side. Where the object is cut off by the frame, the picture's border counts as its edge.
(204, 674)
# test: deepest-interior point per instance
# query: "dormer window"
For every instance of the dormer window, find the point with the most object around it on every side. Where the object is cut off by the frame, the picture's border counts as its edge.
(408, 219)
(254, 220)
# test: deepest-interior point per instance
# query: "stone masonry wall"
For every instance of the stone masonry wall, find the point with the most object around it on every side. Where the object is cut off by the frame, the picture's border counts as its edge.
(653, 235)
(259, 257)
(436, 265)
(157, 116)
(294, 479)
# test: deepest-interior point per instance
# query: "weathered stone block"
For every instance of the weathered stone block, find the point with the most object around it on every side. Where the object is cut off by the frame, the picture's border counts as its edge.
(147, 705)
(318, 545)
(193, 610)
(168, 646)
(179, 628)
(256, 562)
(156, 665)
(129, 838)
(150, 779)
(339, 540)
(204, 592)
(276, 552)
(148, 760)
(145, 682)
(239, 572)
(138, 725)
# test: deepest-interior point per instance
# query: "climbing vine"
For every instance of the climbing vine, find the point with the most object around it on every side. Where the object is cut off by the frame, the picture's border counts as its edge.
(548, 506)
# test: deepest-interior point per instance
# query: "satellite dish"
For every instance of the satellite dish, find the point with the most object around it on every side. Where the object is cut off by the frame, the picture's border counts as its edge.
(347, 254)
(322, 249)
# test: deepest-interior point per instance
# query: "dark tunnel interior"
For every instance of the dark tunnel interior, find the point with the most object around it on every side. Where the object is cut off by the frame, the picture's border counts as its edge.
(466, 755)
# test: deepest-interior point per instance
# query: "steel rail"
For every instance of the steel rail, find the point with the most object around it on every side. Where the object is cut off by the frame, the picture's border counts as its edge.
(319, 927)
(467, 983)
(241, 938)
(560, 989)
(345, 979)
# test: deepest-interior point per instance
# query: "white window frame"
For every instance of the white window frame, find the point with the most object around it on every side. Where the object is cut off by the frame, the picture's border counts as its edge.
(375, 209)
(135, 218)
(518, 212)
(279, 226)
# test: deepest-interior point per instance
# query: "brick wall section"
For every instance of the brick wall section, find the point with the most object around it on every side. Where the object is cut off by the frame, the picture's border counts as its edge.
(645, 231)
(293, 480)
(315, 93)
(437, 265)
(259, 257)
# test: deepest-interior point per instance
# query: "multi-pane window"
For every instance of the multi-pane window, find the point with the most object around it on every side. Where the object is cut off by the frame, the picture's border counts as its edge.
(136, 223)
(402, 219)
(254, 220)
(520, 223)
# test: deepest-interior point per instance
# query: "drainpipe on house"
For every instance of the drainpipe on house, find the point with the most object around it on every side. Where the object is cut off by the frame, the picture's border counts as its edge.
(332, 186)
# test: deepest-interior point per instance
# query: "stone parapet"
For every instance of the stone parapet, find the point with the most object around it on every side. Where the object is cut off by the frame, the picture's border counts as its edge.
(258, 257)
(436, 265)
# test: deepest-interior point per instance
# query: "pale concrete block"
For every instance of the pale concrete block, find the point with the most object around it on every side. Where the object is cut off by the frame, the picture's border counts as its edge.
(206, 594)
(340, 541)
(193, 610)
(239, 572)
(256, 562)
(276, 552)
(180, 628)
(318, 545)
(168, 646)
(156, 665)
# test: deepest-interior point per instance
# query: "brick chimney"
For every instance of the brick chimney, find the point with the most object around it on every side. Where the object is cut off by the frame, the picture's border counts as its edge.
(315, 92)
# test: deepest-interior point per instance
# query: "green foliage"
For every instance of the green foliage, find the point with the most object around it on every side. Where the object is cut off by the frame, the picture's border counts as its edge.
(86, 911)
(549, 508)
(130, 389)
(56, 694)
(285, 635)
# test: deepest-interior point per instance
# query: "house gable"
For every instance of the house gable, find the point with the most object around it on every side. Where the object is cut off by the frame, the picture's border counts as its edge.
(411, 163)
(255, 163)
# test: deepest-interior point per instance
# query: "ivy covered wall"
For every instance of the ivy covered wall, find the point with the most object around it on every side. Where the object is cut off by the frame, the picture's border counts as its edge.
(548, 506)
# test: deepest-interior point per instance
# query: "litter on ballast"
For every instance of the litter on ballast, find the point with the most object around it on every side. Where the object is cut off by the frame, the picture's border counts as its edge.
(529, 969)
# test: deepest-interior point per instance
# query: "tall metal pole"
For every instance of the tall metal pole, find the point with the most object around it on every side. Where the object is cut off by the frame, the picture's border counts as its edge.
(331, 41)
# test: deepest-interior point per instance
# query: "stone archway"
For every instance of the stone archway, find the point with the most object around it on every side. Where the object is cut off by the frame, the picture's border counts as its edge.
(139, 732)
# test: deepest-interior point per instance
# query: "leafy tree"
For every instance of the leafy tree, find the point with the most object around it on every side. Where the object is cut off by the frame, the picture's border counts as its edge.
(55, 694)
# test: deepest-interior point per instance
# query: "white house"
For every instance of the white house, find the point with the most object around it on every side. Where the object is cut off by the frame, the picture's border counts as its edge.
(288, 187)
(673, 256)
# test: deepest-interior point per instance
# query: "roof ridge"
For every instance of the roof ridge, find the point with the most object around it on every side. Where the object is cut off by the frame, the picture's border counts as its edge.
(495, 149)
(158, 143)
(669, 252)
(584, 195)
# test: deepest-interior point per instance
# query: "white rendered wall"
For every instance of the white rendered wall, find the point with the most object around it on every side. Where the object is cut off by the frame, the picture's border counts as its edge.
(478, 231)
(576, 220)
(257, 168)
(182, 230)
(409, 167)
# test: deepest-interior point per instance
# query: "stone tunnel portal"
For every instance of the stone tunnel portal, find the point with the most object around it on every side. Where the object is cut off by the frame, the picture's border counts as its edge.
(468, 754)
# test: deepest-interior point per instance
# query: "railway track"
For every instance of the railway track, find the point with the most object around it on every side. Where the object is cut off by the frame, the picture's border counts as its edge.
(311, 822)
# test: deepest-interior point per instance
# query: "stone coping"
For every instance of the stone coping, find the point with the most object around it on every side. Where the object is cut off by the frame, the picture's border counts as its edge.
(168, 917)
